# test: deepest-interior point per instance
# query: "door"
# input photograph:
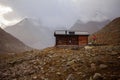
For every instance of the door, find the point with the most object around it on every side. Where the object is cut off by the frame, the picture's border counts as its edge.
(83, 40)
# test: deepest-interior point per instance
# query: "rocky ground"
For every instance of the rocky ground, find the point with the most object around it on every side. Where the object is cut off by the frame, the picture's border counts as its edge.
(85, 63)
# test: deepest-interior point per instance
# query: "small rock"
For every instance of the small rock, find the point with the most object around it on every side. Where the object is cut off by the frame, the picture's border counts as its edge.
(63, 60)
(88, 47)
(103, 66)
(118, 57)
(50, 56)
(97, 76)
(34, 77)
(79, 73)
(70, 77)
(93, 55)
(90, 78)
(113, 53)
(58, 73)
(5, 74)
(75, 48)
(93, 66)
(71, 62)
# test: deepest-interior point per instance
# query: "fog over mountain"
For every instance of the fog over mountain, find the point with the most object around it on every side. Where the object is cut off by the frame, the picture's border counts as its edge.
(32, 33)
(62, 12)
(91, 26)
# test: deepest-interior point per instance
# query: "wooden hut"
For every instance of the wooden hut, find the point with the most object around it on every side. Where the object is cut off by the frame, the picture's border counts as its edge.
(65, 37)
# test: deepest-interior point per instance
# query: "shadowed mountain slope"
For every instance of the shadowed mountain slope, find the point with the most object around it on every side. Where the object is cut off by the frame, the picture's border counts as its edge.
(9, 44)
(110, 34)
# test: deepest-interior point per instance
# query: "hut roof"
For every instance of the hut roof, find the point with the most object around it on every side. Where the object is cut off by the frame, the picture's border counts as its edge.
(68, 32)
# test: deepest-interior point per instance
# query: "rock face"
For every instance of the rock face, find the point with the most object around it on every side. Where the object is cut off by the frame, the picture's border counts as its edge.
(9, 44)
(62, 64)
(110, 34)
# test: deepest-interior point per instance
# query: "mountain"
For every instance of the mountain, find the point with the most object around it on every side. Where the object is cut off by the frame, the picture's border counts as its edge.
(9, 44)
(32, 33)
(110, 34)
(91, 26)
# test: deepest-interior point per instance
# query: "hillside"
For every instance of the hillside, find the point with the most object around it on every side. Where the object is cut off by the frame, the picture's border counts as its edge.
(32, 33)
(91, 26)
(110, 34)
(86, 63)
(9, 44)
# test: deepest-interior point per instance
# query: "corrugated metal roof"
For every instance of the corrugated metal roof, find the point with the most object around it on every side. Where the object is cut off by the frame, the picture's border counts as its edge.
(59, 32)
(82, 33)
(67, 32)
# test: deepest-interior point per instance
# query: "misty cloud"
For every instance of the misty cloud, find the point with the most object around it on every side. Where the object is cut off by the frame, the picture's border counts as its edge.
(3, 21)
(64, 12)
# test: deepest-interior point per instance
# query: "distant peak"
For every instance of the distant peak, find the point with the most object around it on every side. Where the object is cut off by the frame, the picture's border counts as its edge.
(31, 21)
(26, 19)
(79, 21)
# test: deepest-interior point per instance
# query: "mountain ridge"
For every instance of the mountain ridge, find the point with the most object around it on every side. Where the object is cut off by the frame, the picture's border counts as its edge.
(32, 33)
(91, 26)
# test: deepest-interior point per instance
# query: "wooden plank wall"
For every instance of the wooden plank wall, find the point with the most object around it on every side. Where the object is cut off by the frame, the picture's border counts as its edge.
(66, 40)
(71, 40)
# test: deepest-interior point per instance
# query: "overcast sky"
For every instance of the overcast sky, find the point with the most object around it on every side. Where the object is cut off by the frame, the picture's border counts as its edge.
(60, 12)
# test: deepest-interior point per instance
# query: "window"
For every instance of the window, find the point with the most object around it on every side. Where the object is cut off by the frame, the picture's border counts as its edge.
(71, 33)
